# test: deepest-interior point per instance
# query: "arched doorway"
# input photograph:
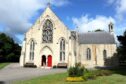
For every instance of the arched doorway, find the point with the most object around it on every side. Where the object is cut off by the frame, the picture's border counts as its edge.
(43, 60)
(49, 61)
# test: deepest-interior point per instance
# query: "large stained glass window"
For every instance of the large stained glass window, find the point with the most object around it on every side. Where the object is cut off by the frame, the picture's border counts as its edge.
(47, 32)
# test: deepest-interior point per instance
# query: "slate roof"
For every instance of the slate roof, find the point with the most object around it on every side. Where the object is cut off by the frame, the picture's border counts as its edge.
(96, 38)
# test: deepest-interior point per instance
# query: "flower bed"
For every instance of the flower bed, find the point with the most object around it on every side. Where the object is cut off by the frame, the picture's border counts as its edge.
(74, 79)
(79, 73)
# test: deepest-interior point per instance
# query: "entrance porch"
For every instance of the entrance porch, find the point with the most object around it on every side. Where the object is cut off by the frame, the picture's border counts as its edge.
(46, 61)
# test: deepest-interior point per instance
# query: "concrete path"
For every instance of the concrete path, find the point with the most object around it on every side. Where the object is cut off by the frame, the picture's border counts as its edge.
(14, 72)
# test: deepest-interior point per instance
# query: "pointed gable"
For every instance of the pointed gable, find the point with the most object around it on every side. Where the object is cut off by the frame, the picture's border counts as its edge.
(49, 14)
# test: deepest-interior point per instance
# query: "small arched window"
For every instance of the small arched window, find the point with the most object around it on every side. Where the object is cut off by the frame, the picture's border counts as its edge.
(104, 54)
(88, 54)
(47, 32)
(32, 47)
(62, 50)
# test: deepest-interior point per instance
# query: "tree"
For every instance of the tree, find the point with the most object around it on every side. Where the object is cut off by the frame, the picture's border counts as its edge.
(99, 30)
(121, 50)
(9, 50)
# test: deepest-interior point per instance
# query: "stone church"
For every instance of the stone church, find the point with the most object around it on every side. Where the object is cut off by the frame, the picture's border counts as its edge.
(50, 43)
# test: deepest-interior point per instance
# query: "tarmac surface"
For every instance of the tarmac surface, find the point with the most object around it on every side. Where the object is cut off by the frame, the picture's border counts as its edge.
(14, 72)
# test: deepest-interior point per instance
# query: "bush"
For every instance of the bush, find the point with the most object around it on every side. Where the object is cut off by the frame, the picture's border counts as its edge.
(95, 73)
(10, 56)
(54, 66)
(105, 72)
(89, 76)
(76, 71)
(102, 72)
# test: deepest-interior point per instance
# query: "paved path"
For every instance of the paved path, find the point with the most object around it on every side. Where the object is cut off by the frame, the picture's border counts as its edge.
(14, 72)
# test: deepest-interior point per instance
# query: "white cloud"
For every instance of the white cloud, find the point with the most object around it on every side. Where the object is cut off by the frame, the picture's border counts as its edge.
(111, 1)
(120, 7)
(85, 23)
(120, 15)
(15, 14)
(59, 2)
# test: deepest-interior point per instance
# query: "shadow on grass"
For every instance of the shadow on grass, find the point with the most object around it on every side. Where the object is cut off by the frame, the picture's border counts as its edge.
(112, 64)
(119, 70)
(115, 70)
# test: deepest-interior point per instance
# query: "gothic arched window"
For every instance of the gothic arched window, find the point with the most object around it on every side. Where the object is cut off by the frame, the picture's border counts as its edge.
(47, 32)
(32, 47)
(62, 50)
(104, 54)
(88, 54)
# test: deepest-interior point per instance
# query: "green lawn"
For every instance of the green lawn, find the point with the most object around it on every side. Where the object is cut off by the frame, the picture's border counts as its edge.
(2, 65)
(115, 78)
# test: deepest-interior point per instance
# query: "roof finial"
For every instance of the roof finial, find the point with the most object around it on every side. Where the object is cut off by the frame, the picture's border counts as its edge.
(49, 3)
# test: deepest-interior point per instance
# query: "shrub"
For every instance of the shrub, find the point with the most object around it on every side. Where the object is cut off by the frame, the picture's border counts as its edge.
(76, 71)
(54, 66)
(102, 72)
(95, 73)
(10, 56)
(89, 76)
(106, 72)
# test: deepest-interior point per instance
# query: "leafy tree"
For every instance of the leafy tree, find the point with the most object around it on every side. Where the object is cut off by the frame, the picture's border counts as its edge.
(9, 50)
(121, 51)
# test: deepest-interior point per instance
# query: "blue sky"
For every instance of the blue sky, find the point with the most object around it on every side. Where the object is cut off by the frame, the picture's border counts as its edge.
(17, 16)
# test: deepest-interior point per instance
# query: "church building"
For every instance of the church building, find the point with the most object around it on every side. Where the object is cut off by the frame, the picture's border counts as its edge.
(50, 43)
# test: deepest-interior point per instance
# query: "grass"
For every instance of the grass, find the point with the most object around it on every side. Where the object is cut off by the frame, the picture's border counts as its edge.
(118, 77)
(2, 65)
(49, 79)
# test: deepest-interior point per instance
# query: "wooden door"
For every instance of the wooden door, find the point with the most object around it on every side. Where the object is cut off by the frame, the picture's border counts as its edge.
(49, 61)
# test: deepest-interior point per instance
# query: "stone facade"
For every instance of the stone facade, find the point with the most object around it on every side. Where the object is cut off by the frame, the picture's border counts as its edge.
(64, 48)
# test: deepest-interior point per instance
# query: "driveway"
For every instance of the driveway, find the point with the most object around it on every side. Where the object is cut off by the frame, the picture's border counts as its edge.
(14, 72)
